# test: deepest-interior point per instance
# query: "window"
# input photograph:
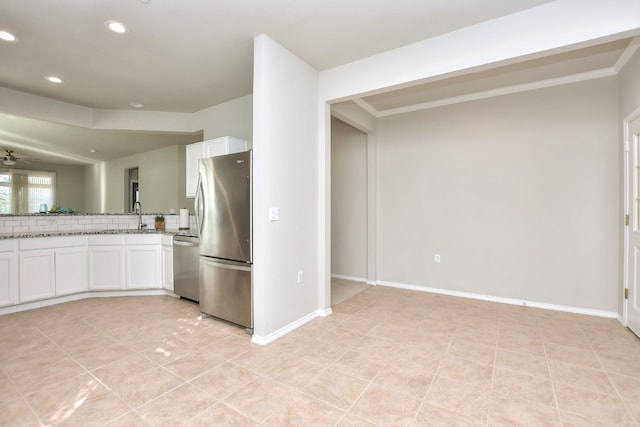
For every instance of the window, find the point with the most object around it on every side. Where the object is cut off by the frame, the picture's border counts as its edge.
(23, 191)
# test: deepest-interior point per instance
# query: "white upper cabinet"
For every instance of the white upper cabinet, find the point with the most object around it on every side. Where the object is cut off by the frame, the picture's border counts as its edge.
(195, 152)
(209, 148)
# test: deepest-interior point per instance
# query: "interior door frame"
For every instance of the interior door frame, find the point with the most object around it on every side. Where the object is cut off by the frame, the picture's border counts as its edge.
(628, 170)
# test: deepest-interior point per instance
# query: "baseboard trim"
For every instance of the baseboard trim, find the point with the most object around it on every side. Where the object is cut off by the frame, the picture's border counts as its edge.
(84, 295)
(351, 278)
(511, 301)
(355, 279)
(264, 340)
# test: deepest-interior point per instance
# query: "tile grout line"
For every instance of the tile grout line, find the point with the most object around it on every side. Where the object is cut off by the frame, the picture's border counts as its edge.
(613, 384)
(551, 380)
(423, 401)
(89, 372)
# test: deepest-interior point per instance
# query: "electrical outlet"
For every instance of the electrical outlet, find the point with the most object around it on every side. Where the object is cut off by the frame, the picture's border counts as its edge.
(436, 257)
(274, 214)
(300, 276)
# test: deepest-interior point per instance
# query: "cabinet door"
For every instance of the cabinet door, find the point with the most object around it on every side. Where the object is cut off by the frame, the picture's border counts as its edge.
(144, 267)
(194, 153)
(71, 270)
(36, 275)
(106, 268)
(8, 279)
(167, 267)
(210, 148)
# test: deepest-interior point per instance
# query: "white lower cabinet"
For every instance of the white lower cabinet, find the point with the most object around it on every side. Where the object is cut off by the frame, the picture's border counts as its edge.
(33, 269)
(37, 280)
(71, 270)
(143, 267)
(52, 266)
(106, 268)
(144, 261)
(167, 263)
(106, 262)
(8, 273)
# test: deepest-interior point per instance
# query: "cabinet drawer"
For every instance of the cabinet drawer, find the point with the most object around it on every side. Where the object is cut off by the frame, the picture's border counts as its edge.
(107, 239)
(7, 245)
(52, 242)
(143, 239)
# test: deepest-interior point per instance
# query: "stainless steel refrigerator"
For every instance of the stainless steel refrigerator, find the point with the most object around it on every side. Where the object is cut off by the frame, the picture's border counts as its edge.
(223, 214)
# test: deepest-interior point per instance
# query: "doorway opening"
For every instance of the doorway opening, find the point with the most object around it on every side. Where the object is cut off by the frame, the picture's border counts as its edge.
(131, 189)
(349, 211)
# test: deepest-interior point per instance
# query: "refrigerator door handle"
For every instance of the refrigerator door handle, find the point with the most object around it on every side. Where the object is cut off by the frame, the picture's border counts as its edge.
(228, 266)
(199, 205)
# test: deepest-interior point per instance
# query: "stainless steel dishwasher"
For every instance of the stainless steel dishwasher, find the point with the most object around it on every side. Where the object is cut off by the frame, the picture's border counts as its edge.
(186, 265)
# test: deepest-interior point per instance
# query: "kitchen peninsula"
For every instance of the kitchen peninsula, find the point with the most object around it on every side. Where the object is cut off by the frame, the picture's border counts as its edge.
(52, 258)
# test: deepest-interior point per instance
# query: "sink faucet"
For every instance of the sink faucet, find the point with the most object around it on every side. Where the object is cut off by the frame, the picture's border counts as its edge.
(137, 206)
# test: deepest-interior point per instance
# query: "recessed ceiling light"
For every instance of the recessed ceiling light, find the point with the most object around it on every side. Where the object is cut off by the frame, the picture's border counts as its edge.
(7, 36)
(54, 79)
(136, 104)
(116, 27)
(93, 150)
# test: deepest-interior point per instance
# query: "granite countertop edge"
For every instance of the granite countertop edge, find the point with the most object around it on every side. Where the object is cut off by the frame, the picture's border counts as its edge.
(26, 234)
(73, 213)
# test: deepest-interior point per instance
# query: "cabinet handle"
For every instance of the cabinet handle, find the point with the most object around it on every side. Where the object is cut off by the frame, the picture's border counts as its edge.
(181, 243)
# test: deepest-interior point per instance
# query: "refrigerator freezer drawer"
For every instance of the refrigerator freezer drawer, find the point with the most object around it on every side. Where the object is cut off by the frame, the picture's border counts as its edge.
(225, 291)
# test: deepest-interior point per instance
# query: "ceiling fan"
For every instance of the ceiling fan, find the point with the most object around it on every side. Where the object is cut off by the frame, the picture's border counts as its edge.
(10, 159)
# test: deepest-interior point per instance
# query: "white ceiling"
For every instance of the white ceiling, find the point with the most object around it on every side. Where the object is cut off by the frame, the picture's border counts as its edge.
(187, 55)
(590, 62)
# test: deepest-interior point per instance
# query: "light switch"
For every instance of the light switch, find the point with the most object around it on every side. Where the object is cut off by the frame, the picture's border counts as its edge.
(274, 214)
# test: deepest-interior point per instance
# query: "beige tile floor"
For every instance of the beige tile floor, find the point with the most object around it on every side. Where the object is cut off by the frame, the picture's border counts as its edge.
(386, 357)
(342, 290)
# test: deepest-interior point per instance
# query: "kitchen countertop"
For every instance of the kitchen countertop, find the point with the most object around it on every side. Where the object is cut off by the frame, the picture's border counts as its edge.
(25, 235)
(76, 213)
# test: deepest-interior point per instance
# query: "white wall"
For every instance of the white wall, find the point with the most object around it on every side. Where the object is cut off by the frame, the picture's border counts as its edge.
(161, 181)
(348, 201)
(69, 183)
(518, 194)
(233, 118)
(629, 93)
(285, 176)
(527, 34)
(630, 85)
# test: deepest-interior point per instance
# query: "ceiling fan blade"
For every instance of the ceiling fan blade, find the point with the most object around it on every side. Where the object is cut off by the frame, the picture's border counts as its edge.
(10, 158)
